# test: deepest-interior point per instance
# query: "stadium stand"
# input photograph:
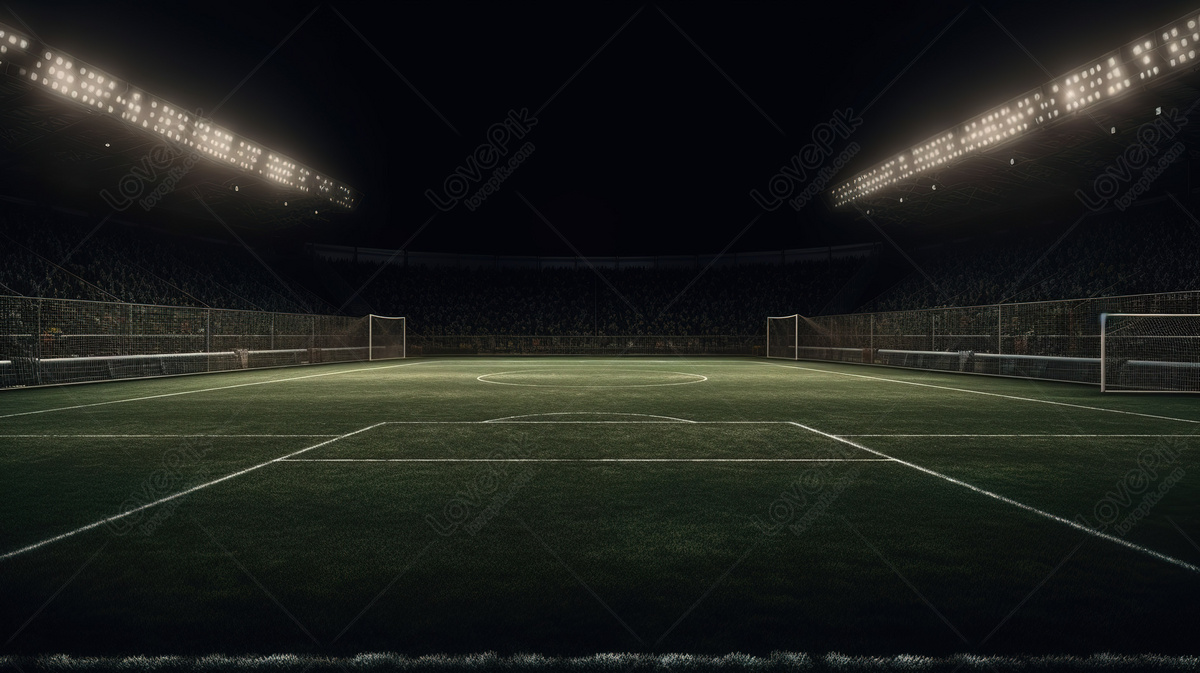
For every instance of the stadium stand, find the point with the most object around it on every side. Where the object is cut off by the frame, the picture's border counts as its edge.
(723, 300)
(41, 255)
(140, 265)
(1143, 250)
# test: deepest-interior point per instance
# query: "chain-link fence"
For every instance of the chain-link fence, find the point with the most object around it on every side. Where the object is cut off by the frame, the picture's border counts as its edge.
(1058, 340)
(48, 341)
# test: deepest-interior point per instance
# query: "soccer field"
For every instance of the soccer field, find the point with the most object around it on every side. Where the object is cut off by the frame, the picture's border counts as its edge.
(570, 506)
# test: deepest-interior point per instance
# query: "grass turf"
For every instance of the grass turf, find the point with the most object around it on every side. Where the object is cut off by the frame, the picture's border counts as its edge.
(540, 534)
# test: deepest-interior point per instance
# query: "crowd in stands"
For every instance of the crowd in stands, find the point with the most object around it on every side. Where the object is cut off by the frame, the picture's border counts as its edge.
(54, 255)
(728, 300)
(1143, 250)
(48, 254)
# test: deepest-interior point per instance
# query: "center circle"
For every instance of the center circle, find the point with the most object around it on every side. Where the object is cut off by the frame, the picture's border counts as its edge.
(588, 377)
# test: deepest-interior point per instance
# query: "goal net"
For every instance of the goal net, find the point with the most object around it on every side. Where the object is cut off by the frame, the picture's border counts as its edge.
(782, 333)
(53, 341)
(1150, 352)
(386, 337)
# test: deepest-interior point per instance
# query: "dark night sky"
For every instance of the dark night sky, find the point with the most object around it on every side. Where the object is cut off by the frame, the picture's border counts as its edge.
(649, 149)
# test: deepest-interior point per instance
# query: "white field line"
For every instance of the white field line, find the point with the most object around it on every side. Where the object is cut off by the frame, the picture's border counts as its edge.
(598, 364)
(587, 460)
(1033, 436)
(1053, 517)
(209, 390)
(180, 494)
(699, 378)
(499, 421)
(587, 413)
(505, 421)
(156, 436)
(981, 392)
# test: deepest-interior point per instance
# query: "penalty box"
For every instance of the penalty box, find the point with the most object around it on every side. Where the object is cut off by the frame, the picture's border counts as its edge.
(601, 439)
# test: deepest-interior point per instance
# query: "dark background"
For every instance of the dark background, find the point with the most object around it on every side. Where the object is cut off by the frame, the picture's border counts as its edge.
(649, 148)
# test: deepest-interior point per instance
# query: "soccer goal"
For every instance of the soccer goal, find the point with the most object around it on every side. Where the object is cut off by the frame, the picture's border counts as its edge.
(783, 334)
(1150, 352)
(386, 337)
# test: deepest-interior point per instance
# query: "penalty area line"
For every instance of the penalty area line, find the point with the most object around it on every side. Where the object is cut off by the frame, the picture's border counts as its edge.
(587, 460)
(511, 419)
(996, 496)
(173, 496)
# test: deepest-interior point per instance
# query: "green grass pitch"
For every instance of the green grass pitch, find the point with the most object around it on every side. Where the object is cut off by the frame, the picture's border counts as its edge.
(573, 506)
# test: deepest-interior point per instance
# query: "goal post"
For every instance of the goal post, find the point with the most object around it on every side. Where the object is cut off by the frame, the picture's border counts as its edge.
(1150, 352)
(386, 337)
(783, 337)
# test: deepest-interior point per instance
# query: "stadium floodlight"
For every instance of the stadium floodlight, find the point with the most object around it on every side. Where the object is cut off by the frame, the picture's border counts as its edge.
(100, 92)
(1150, 352)
(1152, 57)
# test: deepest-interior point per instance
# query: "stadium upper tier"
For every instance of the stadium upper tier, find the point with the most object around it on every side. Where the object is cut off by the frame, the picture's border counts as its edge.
(1144, 250)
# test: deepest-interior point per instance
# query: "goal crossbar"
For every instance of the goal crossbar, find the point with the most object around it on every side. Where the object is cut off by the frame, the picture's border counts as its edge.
(783, 341)
(387, 337)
